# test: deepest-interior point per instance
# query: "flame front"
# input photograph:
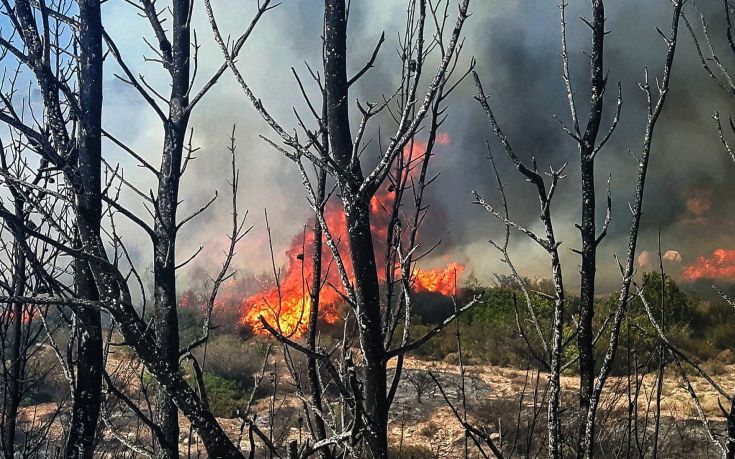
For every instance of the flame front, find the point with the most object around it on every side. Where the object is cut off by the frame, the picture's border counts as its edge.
(287, 307)
(442, 281)
(289, 313)
(720, 266)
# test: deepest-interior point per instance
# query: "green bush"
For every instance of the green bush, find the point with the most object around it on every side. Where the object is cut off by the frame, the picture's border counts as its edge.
(225, 396)
(410, 452)
(44, 380)
(190, 324)
(489, 330)
(232, 358)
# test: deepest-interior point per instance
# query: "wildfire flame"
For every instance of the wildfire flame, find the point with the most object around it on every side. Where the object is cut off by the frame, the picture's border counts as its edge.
(287, 306)
(721, 265)
(438, 280)
(27, 315)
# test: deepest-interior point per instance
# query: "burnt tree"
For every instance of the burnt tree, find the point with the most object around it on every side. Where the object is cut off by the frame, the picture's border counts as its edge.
(87, 390)
(593, 375)
(714, 64)
(174, 53)
(335, 147)
(68, 144)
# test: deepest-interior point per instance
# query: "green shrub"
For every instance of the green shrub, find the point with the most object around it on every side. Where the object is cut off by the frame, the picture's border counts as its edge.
(232, 358)
(490, 335)
(410, 452)
(225, 396)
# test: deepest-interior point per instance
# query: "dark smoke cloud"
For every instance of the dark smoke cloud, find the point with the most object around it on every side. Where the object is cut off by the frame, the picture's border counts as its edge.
(517, 46)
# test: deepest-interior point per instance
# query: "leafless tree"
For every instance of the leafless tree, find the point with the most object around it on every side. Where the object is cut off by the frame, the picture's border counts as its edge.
(39, 47)
(715, 65)
(714, 62)
(66, 144)
(20, 323)
(336, 150)
(175, 56)
(551, 354)
(421, 382)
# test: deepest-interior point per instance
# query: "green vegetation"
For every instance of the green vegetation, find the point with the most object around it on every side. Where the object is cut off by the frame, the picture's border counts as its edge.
(410, 452)
(699, 327)
(702, 328)
(225, 395)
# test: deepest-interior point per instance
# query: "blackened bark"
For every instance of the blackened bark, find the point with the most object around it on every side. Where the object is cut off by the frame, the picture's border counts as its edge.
(37, 61)
(357, 215)
(730, 442)
(587, 297)
(13, 378)
(371, 339)
(136, 332)
(166, 317)
(164, 244)
(87, 392)
(319, 428)
(588, 228)
(336, 87)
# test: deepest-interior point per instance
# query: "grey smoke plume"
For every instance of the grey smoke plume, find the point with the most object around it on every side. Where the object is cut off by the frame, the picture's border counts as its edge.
(516, 44)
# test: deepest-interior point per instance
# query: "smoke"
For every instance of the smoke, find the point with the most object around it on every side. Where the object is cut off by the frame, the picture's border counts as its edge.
(517, 47)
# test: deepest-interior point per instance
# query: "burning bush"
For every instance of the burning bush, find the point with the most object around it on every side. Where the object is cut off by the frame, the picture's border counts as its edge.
(286, 306)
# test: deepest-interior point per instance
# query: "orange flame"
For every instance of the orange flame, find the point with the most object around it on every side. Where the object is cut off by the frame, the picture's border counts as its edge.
(720, 266)
(438, 280)
(287, 306)
(27, 314)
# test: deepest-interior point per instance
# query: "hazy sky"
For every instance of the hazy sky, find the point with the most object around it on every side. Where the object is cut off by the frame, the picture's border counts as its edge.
(516, 44)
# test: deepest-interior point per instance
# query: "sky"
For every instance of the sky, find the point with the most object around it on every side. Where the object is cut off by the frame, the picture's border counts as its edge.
(516, 44)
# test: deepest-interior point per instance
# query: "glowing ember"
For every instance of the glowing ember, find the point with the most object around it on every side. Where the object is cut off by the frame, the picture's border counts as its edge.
(287, 307)
(27, 315)
(721, 265)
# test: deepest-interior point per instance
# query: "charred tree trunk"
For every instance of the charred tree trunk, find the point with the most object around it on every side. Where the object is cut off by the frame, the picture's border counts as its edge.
(730, 441)
(587, 294)
(357, 215)
(164, 244)
(319, 428)
(87, 396)
(375, 396)
(166, 319)
(164, 268)
(16, 360)
(588, 147)
(587, 298)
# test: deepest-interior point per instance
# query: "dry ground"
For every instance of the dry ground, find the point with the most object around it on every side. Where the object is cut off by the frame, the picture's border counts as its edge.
(492, 397)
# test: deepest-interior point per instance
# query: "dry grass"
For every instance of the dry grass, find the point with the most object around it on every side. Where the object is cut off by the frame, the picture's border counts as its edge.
(493, 399)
